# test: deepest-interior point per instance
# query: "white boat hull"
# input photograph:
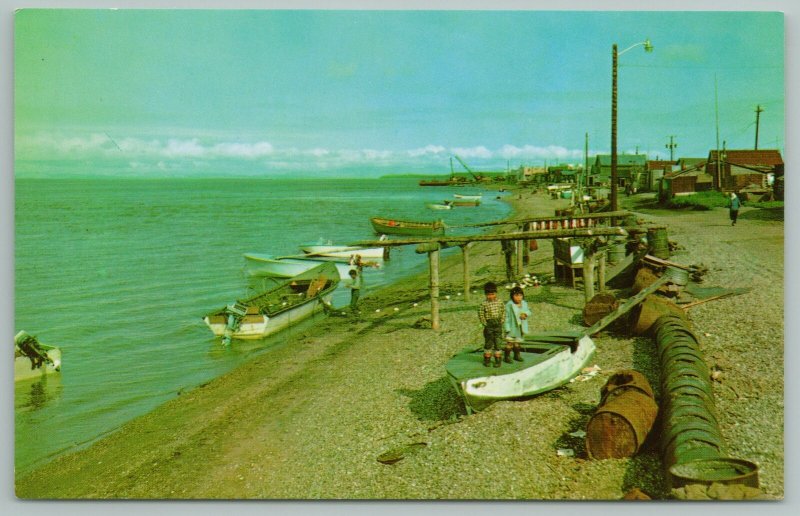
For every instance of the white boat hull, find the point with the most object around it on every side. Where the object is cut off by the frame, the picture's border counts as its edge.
(468, 197)
(343, 252)
(480, 391)
(439, 206)
(266, 265)
(258, 326)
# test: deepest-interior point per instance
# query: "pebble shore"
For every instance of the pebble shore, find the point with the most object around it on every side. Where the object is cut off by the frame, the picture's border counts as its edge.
(310, 419)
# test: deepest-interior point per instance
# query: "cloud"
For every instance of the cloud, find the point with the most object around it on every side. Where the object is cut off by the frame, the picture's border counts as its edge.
(195, 154)
(473, 152)
(534, 152)
(426, 151)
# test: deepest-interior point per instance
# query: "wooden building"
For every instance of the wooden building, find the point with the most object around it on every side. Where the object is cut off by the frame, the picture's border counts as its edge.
(630, 169)
(737, 169)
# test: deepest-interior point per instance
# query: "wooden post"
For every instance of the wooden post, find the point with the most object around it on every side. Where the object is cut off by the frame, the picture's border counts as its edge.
(465, 256)
(518, 245)
(526, 254)
(588, 275)
(433, 259)
(601, 272)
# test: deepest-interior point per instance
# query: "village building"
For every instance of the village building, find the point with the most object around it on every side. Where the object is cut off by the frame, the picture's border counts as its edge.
(630, 170)
(690, 178)
(563, 173)
(738, 170)
(531, 175)
(656, 169)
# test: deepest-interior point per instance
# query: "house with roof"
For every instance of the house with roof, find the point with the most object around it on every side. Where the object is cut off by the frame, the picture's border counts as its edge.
(735, 169)
(685, 181)
(656, 169)
(563, 173)
(630, 170)
(533, 175)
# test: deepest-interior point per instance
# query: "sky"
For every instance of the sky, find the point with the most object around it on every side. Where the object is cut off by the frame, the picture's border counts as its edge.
(175, 92)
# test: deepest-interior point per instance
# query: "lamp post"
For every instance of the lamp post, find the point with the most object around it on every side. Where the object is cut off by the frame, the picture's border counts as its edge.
(614, 58)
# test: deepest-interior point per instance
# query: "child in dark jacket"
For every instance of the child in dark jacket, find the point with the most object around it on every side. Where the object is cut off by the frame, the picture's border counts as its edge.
(492, 315)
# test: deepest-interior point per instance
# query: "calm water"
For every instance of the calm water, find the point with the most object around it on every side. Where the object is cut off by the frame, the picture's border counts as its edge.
(118, 274)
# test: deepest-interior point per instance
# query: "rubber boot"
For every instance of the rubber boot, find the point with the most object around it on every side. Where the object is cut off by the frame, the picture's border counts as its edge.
(507, 354)
(517, 351)
(487, 359)
(497, 359)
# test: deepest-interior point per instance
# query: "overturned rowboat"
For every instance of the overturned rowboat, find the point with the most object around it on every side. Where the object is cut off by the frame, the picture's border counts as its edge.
(549, 360)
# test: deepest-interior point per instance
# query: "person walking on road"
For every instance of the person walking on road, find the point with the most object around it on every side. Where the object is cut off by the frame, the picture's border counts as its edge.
(734, 204)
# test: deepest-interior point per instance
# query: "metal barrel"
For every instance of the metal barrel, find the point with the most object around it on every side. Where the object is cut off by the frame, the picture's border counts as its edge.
(624, 418)
(618, 250)
(692, 445)
(658, 242)
(649, 310)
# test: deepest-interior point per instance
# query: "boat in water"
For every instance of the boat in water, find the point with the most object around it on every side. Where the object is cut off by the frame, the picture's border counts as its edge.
(407, 227)
(549, 360)
(32, 359)
(342, 252)
(257, 264)
(476, 197)
(278, 307)
(446, 205)
(466, 202)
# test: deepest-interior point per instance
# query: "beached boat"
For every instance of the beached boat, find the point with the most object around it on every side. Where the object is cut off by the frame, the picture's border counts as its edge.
(435, 183)
(276, 267)
(268, 312)
(32, 359)
(342, 252)
(439, 206)
(549, 360)
(406, 227)
(476, 197)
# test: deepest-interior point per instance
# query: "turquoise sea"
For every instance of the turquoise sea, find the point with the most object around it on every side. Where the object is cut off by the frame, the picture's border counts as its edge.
(118, 273)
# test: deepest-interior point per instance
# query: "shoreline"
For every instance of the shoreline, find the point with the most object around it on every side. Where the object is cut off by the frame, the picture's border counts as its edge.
(308, 420)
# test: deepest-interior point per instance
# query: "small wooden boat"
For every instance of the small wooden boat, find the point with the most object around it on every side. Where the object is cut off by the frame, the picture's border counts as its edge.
(446, 205)
(549, 360)
(405, 227)
(283, 267)
(32, 359)
(435, 183)
(276, 308)
(466, 202)
(476, 197)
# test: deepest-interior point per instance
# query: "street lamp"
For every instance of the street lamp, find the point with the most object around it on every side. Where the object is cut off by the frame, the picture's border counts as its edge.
(648, 47)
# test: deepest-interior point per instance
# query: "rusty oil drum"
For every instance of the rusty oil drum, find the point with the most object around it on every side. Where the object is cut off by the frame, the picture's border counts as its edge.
(624, 418)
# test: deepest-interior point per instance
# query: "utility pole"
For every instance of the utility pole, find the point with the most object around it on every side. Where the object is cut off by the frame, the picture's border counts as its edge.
(586, 161)
(758, 113)
(716, 116)
(671, 146)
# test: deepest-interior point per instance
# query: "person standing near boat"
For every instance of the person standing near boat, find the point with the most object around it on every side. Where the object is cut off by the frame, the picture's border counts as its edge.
(516, 324)
(734, 204)
(355, 284)
(492, 316)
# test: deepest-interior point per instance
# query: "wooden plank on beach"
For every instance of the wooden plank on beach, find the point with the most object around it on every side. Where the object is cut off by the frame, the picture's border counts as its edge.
(496, 237)
(627, 306)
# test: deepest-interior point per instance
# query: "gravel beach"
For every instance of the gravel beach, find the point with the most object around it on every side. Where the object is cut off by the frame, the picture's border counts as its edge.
(310, 419)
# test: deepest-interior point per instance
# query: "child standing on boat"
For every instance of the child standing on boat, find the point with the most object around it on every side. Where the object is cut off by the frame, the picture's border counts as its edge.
(492, 315)
(516, 325)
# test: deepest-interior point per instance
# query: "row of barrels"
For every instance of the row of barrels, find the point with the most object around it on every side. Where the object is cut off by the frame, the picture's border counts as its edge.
(692, 446)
